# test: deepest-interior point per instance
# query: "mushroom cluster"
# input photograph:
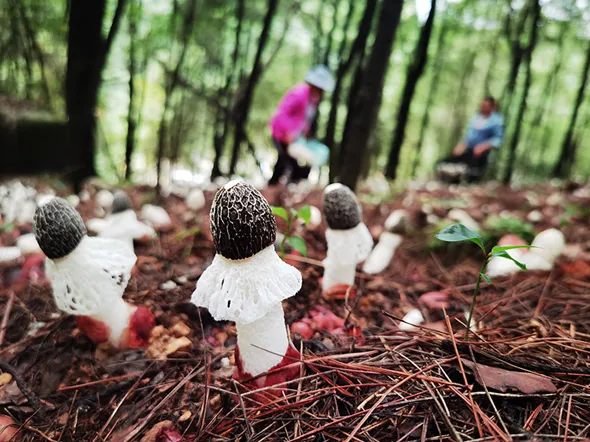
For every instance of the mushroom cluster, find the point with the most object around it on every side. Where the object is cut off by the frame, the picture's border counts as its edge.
(246, 283)
(88, 276)
(349, 240)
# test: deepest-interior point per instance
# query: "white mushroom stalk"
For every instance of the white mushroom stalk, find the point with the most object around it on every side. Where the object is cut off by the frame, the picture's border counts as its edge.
(382, 254)
(247, 281)
(349, 240)
(122, 223)
(89, 275)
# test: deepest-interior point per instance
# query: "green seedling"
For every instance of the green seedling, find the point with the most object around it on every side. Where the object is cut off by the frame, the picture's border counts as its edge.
(194, 232)
(460, 233)
(295, 241)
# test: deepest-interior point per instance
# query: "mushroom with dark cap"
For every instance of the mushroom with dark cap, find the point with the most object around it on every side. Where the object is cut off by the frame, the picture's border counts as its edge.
(349, 240)
(122, 222)
(89, 275)
(247, 282)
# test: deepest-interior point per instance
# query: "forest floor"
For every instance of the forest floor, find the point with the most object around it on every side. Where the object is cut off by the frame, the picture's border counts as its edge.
(522, 376)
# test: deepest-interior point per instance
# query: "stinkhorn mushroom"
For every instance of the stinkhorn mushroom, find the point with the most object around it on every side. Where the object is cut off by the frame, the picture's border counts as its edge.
(382, 254)
(349, 240)
(123, 223)
(546, 248)
(88, 276)
(246, 283)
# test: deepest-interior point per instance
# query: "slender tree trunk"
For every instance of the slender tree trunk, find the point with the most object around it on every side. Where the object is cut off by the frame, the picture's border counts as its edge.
(437, 67)
(415, 71)
(546, 99)
(172, 82)
(528, 55)
(131, 114)
(356, 51)
(36, 49)
(568, 148)
(517, 52)
(222, 115)
(87, 52)
(494, 54)
(242, 108)
(363, 115)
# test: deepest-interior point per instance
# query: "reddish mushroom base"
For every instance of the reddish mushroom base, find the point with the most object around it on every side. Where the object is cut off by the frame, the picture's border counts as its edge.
(339, 292)
(284, 371)
(136, 335)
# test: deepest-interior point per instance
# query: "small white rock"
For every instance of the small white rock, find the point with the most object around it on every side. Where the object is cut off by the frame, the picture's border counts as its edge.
(73, 200)
(463, 217)
(535, 216)
(411, 320)
(395, 220)
(84, 195)
(168, 285)
(182, 279)
(316, 217)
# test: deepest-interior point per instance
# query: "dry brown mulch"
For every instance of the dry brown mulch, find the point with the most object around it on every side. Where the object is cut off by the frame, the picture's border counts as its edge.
(388, 385)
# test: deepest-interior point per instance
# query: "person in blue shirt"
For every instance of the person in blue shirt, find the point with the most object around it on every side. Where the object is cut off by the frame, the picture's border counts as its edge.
(485, 132)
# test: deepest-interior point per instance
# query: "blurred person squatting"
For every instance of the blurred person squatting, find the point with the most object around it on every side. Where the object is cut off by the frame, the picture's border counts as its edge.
(294, 118)
(485, 132)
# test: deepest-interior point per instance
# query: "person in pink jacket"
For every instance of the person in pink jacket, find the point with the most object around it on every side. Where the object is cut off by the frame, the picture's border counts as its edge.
(294, 117)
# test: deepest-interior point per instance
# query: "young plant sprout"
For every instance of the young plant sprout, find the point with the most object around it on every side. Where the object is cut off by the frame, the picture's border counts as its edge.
(247, 282)
(295, 242)
(349, 240)
(88, 276)
(458, 233)
(123, 223)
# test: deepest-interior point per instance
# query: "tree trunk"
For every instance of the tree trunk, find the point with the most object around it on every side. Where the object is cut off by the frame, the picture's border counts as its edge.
(363, 115)
(222, 114)
(494, 55)
(517, 52)
(437, 67)
(172, 82)
(528, 55)
(415, 71)
(356, 52)
(131, 117)
(242, 108)
(87, 52)
(568, 148)
(546, 100)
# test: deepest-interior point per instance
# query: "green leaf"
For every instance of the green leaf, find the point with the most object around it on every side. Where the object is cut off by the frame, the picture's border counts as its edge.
(298, 244)
(279, 211)
(486, 277)
(7, 227)
(499, 249)
(457, 233)
(304, 213)
(507, 256)
(188, 232)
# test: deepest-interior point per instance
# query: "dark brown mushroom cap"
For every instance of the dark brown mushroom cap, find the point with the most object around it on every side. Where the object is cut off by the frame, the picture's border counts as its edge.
(121, 202)
(58, 228)
(341, 208)
(242, 222)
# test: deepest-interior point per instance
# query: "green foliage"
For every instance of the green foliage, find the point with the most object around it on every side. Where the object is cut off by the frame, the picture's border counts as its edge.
(460, 233)
(7, 227)
(498, 227)
(295, 241)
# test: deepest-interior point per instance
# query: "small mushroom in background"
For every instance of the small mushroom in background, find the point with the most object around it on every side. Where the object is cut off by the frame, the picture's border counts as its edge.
(547, 247)
(413, 318)
(9, 256)
(535, 216)
(382, 254)
(122, 223)
(156, 216)
(195, 200)
(460, 216)
(104, 198)
(349, 240)
(499, 266)
(246, 283)
(396, 221)
(88, 276)
(316, 217)
(27, 244)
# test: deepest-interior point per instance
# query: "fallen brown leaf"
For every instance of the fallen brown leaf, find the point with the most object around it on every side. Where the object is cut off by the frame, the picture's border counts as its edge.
(504, 380)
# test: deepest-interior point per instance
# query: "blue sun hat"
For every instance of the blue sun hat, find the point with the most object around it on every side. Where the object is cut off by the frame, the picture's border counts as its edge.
(320, 77)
